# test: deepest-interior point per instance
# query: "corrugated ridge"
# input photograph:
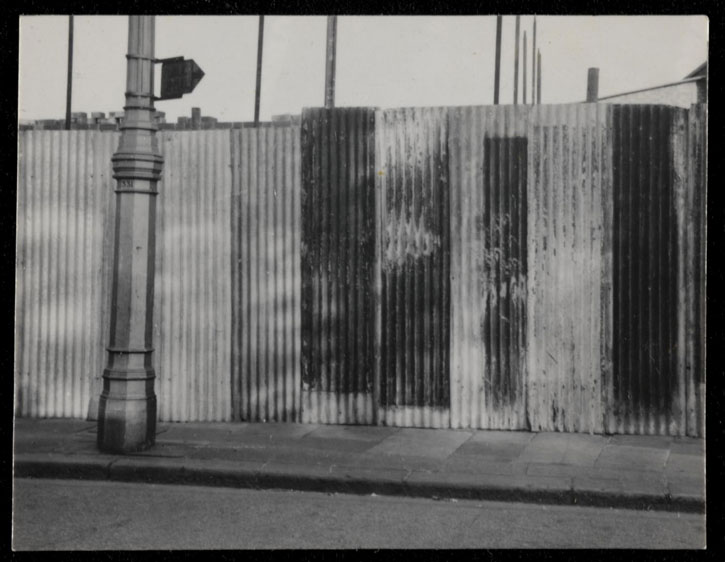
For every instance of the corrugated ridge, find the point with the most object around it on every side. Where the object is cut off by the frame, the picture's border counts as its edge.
(192, 313)
(63, 192)
(488, 161)
(338, 237)
(413, 223)
(266, 274)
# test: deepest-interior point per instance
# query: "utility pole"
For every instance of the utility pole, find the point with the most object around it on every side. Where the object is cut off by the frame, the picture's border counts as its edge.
(523, 78)
(330, 61)
(592, 85)
(69, 89)
(258, 89)
(516, 61)
(538, 77)
(127, 405)
(533, 66)
(497, 70)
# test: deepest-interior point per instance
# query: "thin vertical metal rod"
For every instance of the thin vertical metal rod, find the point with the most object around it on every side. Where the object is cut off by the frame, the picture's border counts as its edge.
(592, 84)
(516, 60)
(258, 89)
(330, 61)
(497, 71)
(523, 78)
(538, 77)
(69, 90)
(533, 66)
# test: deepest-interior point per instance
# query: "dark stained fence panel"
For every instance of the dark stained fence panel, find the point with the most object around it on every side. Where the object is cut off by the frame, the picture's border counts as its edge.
(414, 284)
(338, 256)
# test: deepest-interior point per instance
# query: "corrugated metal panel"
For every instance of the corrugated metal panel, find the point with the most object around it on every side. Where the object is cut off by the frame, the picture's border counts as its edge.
(414, 284)
(488, 161)
(193, 306)
(695, 281)
(64, 194)
(648, 379)
(338, 253)
(266, 274)
(568, 186)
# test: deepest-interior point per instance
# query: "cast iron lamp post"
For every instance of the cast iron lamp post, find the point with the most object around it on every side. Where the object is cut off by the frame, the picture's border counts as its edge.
(127, 405)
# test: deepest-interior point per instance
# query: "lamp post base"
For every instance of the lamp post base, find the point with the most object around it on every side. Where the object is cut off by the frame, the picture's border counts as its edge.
(126, 423)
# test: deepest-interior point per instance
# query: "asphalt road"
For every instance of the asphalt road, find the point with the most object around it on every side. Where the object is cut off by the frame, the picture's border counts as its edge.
(89, 515)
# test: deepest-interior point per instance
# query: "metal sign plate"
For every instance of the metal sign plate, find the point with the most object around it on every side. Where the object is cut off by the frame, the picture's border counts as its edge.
(178, 77)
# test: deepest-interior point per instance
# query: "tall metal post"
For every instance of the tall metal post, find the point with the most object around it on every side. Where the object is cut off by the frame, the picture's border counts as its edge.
(69, 89)
(258, 89)
(516, 60)
(330, 61)
(497, 70)
(533, 66)
(538, 77)
(127, 405)
(592, 84)
(523, 78)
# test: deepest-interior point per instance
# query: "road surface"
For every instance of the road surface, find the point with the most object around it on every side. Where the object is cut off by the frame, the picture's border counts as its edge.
(90, 515)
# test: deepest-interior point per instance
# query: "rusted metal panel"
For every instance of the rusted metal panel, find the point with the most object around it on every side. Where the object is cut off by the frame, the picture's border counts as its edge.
(64, 195)
(266, 232)
(488, 171)
(647, 182)
(192, 309)
(568, 185)
(414, 231)
(695, 268)
(338, 252)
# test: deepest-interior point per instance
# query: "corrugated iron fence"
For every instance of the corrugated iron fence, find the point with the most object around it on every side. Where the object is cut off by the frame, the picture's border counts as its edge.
(489, 267)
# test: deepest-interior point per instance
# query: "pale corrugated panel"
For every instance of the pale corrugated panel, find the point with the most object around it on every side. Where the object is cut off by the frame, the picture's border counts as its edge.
(266, 235)
(192, 309)
(488, 170)
(64, 188)
(338, 253)
(414, 284)
(569, 181)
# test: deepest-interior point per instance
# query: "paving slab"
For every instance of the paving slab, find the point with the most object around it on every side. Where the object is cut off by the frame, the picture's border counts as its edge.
(688, 446)
(238, 432)
(435, 443)
(501, 437)
(545, 448)
(482, 464)
(649, 441)
(311, 442)
(632, 458)
(370, 434)
(495, 451)
(692, 464)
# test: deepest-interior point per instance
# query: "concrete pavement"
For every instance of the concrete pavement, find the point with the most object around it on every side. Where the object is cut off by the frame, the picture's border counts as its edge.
(638, 472)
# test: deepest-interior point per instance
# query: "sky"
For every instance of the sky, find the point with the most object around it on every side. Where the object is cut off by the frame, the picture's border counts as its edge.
(382, 61)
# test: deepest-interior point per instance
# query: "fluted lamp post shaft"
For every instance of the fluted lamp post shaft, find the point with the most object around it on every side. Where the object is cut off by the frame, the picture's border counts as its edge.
(127, 405)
